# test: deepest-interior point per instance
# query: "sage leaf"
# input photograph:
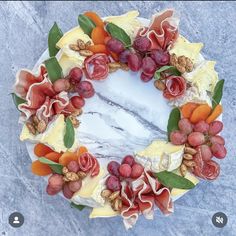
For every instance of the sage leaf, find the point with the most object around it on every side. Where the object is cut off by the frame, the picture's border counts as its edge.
(171, 69)
(56, 167)
(69, 136)
(119, 34)
(218, 93)
(173, 121)
(54, 69)
(79, 207)
(86, 24)
(17, 100)
(172, 180)
(54, 36)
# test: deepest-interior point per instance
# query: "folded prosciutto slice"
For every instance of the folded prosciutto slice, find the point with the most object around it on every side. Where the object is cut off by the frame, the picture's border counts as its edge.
(41, 99)
(163, 29)
(140, 196)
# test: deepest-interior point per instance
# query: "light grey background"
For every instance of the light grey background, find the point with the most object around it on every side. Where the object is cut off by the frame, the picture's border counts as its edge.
(23, 37)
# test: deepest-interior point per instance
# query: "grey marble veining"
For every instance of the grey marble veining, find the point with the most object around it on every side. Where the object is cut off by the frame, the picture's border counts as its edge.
(24, 27)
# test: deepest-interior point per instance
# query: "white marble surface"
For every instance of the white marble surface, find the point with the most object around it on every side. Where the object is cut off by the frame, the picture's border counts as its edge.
(24, 27)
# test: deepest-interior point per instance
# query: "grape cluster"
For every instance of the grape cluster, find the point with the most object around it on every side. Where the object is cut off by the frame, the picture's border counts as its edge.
(140, 56)
(128, 169)
(73, 82)
(201, 136)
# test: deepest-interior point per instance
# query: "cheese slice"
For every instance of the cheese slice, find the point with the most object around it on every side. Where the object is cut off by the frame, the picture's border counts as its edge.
(53, 136)
(104, 211)
(128, 22)
(183, 47)
(90, 192)
(67, 62)
(161, 155)
(72, 36)
(176, 192)
(204, 77)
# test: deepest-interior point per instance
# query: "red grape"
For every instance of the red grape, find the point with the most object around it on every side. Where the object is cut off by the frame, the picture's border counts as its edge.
(113, 168)
(77, 101)
(55, 181)
(73, 166)
(185, 126)
(113, 183)
(142, 44)
(148, 65)
(160, 57)
(177, 137)
(85, 89)
(196, 139)
(215, 127)
(217, 139)
(51, 191)
(75, 186)
(146, 77)
(128, 160)
(66, 191)
(123, 57)
(61, 85)
(75, 75)
(115, 46)
(201, 127)
(134, 61)
(205, 151)
(137, 171)
(218, 150)
(125, 170)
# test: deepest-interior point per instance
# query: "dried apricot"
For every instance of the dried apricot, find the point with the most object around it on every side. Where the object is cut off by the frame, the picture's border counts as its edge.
(200, 113)
(40, 150)
(188, 108)
(98, 35)
(66, 157)
(40, 169)
(53, 156)
(81, 150)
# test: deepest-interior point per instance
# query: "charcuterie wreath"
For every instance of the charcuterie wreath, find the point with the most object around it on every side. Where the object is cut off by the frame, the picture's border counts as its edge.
(151, 54)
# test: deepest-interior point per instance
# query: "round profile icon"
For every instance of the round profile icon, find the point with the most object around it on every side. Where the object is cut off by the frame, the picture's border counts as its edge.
(16, 219)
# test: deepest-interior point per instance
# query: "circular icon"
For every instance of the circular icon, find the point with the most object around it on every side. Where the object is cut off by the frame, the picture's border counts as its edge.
(16, 219)
(219, 219)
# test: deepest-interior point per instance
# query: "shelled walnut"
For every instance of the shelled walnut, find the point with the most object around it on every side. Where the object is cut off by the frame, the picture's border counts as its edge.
(183, 64)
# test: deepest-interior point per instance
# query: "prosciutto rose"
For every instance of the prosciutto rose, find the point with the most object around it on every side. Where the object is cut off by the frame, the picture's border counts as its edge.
(175, 87)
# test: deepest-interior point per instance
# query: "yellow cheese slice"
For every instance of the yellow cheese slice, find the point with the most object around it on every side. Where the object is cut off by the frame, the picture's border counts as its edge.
(72, 36)
(105, 211)
(175, 192)
(183, 47)
(53, 136)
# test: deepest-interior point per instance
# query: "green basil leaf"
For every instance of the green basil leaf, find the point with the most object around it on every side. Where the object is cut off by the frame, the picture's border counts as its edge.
(54, 69)
(86, 24)
(56, 167)
(118, 33)
(79, 207)
(171, 69)
(54, 36)
(172, 180)
(17, 100)
(218, 93)
(69, 136)
(173, 121)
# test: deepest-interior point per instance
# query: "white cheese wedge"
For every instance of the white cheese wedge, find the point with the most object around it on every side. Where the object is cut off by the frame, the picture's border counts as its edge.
(160, 155)
(183, 47)
(67, 63)
(176, 192)
(128, 22)
(90, 192)
(53, 136)
(204, 76)
(72, 36)
(104, 211)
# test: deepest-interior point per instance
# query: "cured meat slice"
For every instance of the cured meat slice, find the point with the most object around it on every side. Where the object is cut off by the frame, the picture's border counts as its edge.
(163, 29)
(141, 197)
